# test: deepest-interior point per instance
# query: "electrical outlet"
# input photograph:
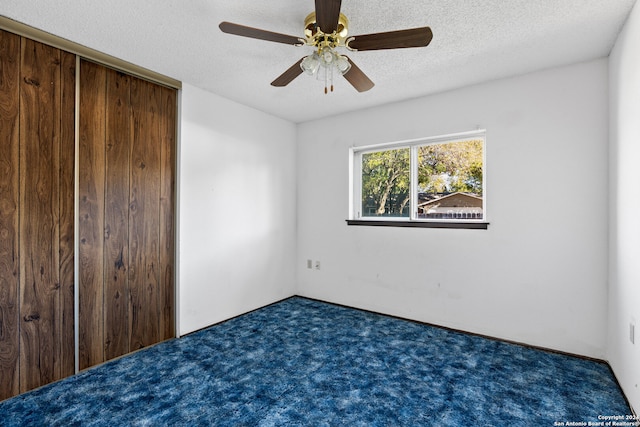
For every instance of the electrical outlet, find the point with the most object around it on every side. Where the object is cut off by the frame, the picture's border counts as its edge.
(309, 264)
(317, 265)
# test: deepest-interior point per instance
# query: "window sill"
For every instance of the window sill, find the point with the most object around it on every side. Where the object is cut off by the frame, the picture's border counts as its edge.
(422, 224)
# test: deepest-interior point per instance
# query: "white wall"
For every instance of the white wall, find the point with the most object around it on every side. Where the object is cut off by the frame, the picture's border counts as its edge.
(624, 294)
(538, 275)
(237, 209)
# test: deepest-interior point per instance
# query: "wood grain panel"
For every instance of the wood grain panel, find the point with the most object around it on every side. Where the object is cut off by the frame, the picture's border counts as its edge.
(91, 175)
(167, 216)
(39, 200)
(9, 197)
(144, 215)
(67, 204)
(116, 304)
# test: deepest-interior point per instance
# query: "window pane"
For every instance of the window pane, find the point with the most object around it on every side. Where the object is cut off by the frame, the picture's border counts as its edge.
(450, 180)
(385, 183)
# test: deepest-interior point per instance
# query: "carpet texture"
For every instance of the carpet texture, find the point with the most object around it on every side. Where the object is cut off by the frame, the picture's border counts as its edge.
(305, 363)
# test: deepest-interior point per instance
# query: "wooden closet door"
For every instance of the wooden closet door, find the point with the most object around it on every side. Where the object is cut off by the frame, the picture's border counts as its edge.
(127, 193)
(126, 213)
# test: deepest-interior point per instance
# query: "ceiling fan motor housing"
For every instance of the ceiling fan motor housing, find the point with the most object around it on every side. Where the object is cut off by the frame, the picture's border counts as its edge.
(315, 36)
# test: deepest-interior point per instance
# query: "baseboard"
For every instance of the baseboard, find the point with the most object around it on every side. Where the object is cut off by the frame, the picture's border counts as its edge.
(462, 331)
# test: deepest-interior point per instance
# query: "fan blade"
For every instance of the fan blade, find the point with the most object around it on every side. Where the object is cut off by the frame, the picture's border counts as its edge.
(288, 76)
(256, 33)
(357, 78)
(327, 14)
(414, 37)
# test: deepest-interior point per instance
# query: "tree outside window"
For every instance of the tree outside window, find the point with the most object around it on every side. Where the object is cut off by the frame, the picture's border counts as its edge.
(385, 183)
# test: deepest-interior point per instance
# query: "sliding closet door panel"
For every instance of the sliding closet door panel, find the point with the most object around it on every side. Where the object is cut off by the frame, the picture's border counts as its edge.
(116, 303)
(67, 214)
(40, 326)
(127, 193)
(144, 226)
(9, 179)
(167, 219)
(92, 132)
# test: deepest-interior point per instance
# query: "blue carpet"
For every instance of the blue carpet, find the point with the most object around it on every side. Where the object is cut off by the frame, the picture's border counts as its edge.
(305, 363)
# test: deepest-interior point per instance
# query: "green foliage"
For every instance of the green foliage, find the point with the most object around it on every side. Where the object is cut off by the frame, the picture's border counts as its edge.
(385, 182)
(449, 168)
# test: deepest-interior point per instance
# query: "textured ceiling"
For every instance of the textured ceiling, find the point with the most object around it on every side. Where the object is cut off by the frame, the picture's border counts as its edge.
(474, 41)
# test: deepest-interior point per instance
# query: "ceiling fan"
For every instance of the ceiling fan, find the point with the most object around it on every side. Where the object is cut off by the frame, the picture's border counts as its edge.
(327, 29)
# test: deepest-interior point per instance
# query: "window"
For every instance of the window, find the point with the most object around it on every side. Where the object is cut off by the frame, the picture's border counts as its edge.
(431, 182)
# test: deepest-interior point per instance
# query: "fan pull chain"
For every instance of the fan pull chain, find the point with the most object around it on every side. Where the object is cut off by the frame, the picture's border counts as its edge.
(329, 77)
(327, 74)
(332, 67)
(326, 77)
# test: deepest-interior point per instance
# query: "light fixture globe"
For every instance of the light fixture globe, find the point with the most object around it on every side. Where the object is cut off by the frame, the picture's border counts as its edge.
(327, 56)
(342, 64)
(311, 64)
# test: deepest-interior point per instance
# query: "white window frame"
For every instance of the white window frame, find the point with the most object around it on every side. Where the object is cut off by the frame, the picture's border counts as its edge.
(355, 181)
